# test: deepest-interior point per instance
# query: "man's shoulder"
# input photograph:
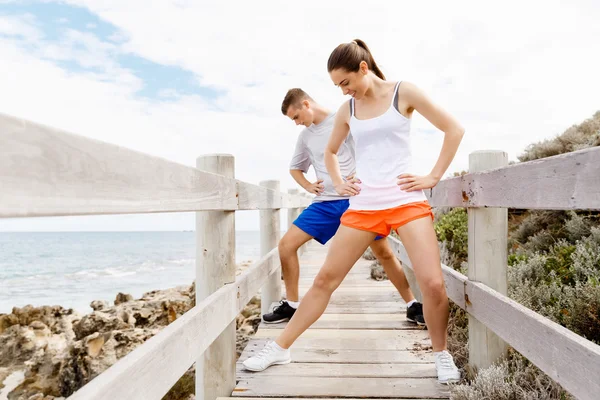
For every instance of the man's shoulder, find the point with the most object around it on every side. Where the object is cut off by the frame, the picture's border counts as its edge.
(303, 133)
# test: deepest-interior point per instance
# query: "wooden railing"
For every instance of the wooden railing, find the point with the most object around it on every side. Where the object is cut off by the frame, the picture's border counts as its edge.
(46, 172)
(565, 182)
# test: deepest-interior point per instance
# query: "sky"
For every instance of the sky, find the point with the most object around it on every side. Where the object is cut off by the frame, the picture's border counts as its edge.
(178, 79)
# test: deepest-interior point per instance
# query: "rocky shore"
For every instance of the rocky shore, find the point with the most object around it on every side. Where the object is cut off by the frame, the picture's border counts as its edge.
(49, 352)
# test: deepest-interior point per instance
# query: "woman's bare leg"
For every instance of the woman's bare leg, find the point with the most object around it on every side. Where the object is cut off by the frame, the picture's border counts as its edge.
(347, 246)
(420, 241)
(392, 267)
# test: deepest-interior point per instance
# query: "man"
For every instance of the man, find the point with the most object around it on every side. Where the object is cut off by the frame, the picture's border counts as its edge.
(321, 219)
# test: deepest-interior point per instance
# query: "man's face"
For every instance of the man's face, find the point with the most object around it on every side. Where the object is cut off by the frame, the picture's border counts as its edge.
(302, 114)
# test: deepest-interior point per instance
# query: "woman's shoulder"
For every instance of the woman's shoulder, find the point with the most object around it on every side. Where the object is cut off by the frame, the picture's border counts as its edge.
(343, 111)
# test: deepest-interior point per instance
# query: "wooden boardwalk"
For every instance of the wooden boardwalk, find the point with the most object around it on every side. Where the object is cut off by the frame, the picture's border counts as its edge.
(362, 347)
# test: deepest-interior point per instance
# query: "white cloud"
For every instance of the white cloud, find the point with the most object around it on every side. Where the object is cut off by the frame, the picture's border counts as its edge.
(512, 72)
(19, 27)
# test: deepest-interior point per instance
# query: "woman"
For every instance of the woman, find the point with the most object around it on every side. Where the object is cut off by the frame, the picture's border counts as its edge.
(386, 196)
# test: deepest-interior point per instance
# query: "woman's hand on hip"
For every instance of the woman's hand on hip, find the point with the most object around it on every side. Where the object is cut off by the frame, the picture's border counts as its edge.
(349, 187)
(410, 182)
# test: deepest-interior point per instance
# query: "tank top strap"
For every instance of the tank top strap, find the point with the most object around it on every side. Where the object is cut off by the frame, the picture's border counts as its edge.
(395, 97)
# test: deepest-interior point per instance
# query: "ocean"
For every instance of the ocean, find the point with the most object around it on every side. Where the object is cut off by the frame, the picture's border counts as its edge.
(71, 269)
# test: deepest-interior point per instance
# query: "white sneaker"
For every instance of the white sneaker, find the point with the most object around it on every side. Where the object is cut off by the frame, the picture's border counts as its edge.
(269, 355)
(446, 370)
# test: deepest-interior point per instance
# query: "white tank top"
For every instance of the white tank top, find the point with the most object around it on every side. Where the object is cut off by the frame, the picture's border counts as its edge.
(382, 146)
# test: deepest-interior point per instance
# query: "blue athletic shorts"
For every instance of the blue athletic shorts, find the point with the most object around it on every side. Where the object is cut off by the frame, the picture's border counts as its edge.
(321, 220)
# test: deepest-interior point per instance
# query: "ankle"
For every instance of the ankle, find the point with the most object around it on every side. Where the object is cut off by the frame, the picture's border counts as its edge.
(293, 304)
(279, 346)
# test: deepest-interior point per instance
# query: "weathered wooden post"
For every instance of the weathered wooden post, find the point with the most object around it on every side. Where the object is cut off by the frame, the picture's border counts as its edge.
(269, 239)
(488, 236)
(215, 267)
(292, 214)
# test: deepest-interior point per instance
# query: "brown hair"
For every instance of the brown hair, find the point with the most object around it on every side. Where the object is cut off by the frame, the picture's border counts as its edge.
(349, 56)
(293, 97)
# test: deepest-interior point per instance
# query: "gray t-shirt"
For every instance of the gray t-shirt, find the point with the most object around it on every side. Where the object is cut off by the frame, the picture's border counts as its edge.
(310, 150)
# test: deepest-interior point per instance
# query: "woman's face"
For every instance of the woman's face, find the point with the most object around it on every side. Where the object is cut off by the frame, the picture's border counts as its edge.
(354, 84)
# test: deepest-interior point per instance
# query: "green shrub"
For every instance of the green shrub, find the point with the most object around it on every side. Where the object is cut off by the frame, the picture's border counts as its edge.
(451, 228)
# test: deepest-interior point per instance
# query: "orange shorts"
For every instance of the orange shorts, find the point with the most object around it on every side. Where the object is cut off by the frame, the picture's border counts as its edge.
(383, 222)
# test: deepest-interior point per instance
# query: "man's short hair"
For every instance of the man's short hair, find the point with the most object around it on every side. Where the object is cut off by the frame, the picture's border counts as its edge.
(293, 97)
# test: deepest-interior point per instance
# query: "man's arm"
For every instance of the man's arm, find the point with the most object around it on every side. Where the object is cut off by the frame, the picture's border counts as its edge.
(314, 188)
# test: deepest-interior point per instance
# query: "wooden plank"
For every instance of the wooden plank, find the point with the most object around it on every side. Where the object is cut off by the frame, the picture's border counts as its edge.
(310, 272)
(310, 276)
(363, 283)
(253, 197)
(488, 237)
(370, 298)
(294, 201)
(455, 281)
(412, 342)
(455, 285)
(346, 333)
(296, 398)
(354, 321)
(566, 357)
(151, 370)
(361, 317)
(324, 324)
(270, 232)
(215, 267)
(357, 308)
(426, 370)
(215, 234)
(568, 181)
(355, 356)
(363, 289)
(342, 387)
(48, 172)
(388, 307)
(254, 277)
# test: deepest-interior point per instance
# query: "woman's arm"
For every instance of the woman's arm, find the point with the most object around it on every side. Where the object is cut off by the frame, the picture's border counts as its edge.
(441, 119)
(338, 135)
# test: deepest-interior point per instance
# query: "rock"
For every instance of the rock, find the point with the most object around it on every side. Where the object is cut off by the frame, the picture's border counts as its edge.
(172, 314)
(51, 316)
(123, 298)
(127, 317)
(377, 272)
(98, 305)
(60, 351)
(94, 343)
(6, 321)
(38, 325)
(145, 313)
(99, 321)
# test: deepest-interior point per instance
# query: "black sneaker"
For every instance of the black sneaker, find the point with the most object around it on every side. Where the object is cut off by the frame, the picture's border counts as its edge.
(414, 313)
(283, 312)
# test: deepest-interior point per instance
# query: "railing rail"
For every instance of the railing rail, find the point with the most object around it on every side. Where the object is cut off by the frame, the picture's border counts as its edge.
(564, 182)
(47, 172)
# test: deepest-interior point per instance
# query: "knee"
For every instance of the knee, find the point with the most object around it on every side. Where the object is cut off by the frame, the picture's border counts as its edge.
(385, 256)
(286, 248)
(434, 288)
(325, 282)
